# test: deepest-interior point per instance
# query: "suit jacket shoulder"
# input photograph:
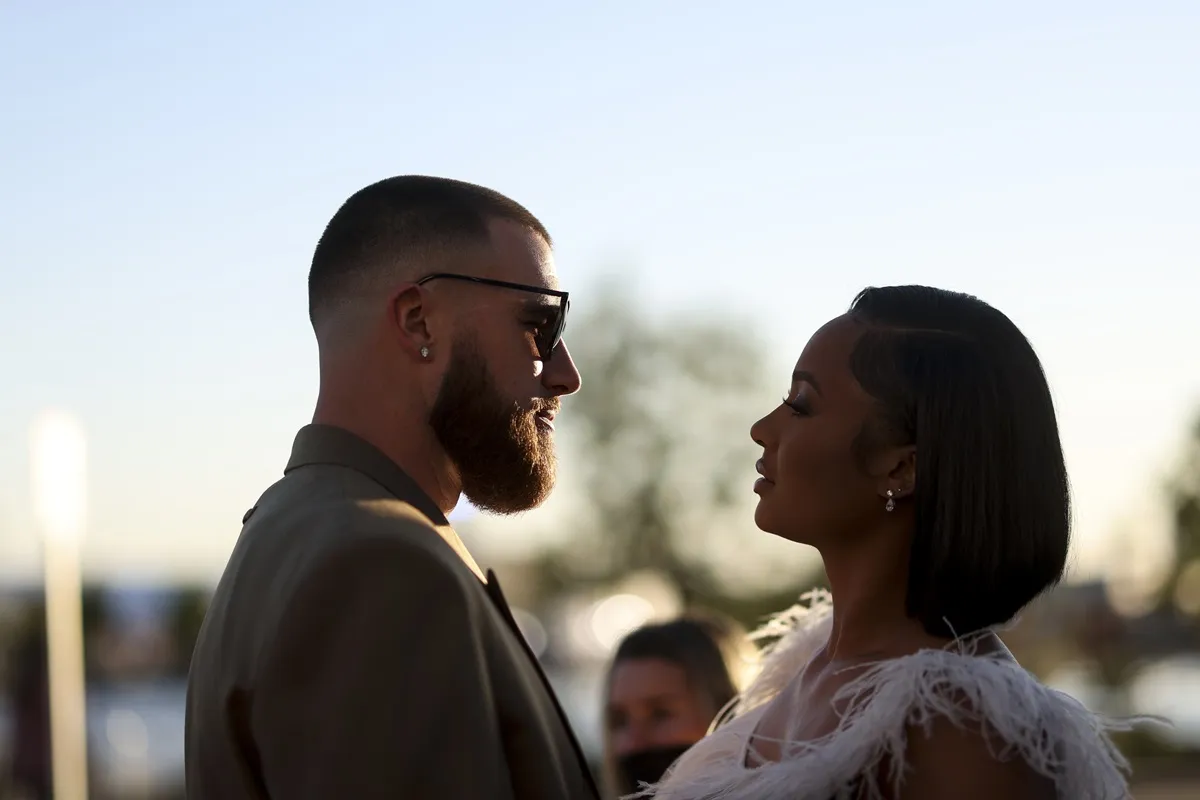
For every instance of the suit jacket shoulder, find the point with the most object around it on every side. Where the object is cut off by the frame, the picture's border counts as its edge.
(351, 650)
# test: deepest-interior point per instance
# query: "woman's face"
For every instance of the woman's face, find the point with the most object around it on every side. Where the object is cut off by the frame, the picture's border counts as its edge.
(651, 705)
(815, 488)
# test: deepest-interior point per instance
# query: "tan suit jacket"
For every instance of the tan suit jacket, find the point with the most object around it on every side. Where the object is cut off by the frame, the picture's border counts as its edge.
(351, 651)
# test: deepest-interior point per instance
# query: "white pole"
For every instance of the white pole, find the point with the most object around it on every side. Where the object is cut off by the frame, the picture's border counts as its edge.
(58, 462)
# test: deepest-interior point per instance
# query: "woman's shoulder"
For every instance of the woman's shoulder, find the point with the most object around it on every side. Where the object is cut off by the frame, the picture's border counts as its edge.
(994, 702)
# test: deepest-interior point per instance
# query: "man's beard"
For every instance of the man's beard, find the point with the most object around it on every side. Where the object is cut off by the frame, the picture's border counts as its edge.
(504, 458)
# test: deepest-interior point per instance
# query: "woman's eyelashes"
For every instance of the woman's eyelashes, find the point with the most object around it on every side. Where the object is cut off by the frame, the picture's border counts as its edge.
(798, 406)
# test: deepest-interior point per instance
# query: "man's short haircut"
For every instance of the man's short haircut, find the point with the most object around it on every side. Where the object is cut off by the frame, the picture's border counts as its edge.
(402, 218)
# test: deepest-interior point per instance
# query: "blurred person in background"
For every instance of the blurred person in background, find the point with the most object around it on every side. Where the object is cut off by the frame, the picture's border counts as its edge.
(665, 686)
(917, 449)
(353, 648)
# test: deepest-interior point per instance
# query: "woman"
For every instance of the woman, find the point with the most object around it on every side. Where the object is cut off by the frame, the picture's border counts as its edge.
(917, 450)
(666, 684)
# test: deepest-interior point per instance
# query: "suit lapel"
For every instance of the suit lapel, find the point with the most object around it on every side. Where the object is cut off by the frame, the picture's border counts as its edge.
(323, 444)
(497, 598)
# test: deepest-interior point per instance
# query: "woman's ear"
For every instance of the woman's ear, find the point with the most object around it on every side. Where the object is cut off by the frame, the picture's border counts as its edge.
(898, 468)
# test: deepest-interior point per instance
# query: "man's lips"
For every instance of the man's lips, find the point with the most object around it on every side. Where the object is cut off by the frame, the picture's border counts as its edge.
(545, 419)
(758, 467)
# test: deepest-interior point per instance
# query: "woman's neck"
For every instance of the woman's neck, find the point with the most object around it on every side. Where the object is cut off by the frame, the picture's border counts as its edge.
(869, 587)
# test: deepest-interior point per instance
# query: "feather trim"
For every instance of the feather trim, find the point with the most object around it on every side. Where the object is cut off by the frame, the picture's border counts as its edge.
(1056, 735)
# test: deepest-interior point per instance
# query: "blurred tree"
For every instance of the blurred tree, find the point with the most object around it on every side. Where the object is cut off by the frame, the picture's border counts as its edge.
(660, 438)
(1181, 589)
(187, 615)
(1178, 612)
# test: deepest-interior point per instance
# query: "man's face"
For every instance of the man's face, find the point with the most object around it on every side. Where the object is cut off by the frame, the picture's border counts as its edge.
(503, 448)
(494, 410)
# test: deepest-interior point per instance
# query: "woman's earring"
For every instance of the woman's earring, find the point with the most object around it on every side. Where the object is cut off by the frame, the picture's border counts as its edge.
(424, 352)
(891, 503)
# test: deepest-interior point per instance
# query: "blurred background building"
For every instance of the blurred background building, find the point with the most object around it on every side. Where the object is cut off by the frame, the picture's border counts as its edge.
(720, 178)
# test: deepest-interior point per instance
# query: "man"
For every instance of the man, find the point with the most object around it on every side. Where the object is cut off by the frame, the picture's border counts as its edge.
(353, 648)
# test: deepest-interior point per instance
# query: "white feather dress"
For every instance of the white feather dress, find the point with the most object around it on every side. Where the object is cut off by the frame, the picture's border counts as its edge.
(1056, 735)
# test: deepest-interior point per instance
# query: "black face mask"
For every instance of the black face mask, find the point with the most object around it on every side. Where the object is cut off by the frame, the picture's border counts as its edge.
(646, 766)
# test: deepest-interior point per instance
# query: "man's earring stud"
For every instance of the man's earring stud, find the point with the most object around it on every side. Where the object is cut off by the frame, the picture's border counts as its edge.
(424, 352)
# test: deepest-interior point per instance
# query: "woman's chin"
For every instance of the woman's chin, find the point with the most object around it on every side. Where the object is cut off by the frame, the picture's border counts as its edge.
(768, 522)
(762, 518)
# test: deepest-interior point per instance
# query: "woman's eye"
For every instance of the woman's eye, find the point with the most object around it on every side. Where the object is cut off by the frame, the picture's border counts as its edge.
(797, 406)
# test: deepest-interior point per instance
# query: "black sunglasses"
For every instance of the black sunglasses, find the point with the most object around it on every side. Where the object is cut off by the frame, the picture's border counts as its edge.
(549, 336)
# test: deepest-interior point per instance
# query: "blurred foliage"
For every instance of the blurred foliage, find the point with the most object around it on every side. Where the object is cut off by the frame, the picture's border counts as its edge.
(1119, 657)
(1181, 589)
(1144, 742)
(187, 615)
(660, 439)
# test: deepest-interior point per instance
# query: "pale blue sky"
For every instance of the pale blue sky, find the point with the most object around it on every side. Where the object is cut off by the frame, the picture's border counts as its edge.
(166, 172)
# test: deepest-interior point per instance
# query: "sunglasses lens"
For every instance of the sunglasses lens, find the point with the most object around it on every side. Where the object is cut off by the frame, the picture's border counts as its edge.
(554, 333)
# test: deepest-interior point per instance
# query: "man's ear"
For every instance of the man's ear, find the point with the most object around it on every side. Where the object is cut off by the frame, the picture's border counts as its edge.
(409, 321)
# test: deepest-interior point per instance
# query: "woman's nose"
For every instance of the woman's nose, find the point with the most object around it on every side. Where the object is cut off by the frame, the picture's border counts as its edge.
(758, 431)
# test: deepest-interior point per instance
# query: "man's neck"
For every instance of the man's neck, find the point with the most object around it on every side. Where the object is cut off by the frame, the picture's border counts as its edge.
(412, 447)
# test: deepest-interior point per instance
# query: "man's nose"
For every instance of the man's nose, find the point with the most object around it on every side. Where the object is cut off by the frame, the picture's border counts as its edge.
(559, 373)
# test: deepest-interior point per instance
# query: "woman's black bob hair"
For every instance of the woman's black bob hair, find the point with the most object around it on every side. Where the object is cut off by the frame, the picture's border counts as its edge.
(956, 378)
